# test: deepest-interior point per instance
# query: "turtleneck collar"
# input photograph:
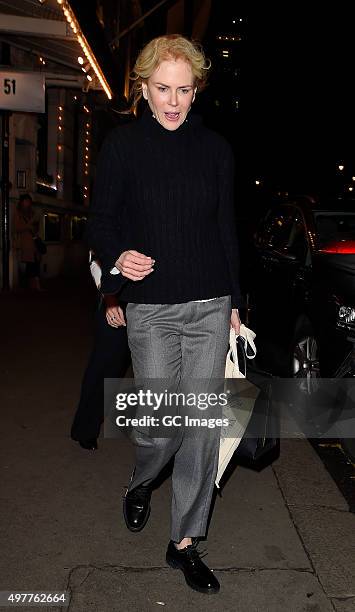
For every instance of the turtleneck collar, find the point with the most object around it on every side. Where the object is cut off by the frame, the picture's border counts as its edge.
(151, 125)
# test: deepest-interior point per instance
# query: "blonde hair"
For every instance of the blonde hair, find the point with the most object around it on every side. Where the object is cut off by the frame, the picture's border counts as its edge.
(171, 46)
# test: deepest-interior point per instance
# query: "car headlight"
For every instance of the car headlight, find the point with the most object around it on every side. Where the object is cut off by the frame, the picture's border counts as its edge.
(346, 314)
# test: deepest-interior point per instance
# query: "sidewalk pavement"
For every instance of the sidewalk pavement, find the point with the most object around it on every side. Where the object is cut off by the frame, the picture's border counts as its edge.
(282, 540)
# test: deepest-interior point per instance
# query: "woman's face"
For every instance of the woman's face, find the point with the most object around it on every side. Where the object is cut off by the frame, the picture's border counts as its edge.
(170, 92)
(26, 204)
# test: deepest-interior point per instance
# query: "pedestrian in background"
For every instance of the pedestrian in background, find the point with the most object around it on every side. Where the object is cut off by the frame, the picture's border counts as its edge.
(26, 233)
(163, 216)
(109, 358)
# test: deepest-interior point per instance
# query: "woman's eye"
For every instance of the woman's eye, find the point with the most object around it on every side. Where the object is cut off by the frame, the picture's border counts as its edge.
(185, 91)
(162, 89)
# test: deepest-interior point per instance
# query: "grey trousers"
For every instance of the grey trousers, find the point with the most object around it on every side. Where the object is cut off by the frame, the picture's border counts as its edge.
(180, 342)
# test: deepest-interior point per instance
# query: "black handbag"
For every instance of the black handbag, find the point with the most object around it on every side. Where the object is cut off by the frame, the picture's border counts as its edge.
(260, 445)
(40, 245)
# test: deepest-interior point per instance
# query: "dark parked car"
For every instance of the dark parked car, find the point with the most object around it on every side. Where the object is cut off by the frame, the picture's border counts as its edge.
(301, 290)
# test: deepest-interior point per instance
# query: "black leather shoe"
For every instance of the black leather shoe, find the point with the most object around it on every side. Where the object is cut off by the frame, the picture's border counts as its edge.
(90, 444)
(197, 575)
(136, 507)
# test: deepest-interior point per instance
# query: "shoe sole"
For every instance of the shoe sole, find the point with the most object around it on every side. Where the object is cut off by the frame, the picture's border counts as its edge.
(175, 565)
(135, 529)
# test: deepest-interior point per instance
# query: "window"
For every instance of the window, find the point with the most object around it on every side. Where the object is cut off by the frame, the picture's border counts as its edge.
(335, 226)
(297, 241)
(277, 229)
(284, 231)
(52, 227)
(77, 227)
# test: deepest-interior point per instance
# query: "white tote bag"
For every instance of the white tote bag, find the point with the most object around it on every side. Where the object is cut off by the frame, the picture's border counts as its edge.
(241, 403)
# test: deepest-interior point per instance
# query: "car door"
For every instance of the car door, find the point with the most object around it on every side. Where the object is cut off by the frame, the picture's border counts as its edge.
(280, 286)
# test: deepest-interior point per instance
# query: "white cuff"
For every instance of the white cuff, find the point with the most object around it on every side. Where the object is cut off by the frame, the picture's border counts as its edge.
(114, 271)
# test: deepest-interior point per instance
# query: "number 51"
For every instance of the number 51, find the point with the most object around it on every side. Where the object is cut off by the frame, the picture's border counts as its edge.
(9, 86)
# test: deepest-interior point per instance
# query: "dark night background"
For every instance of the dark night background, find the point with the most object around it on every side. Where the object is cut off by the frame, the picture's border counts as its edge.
(295, 66)
(296, 117)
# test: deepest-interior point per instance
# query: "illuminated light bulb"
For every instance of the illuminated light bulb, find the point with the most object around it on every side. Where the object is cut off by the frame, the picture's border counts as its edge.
(59, 147)
(89, 78)
(80, 60)
(60, 1)
(60, 118)
(60, 128)
(351, 188)
(58, 177)
(85, 187)
(341, 167)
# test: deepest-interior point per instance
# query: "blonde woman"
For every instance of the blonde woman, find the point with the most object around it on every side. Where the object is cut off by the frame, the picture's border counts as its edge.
(163, 217)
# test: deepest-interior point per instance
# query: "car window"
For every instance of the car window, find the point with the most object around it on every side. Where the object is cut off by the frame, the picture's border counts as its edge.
(276, 229)
(297, 241)
(335, 226)
(284, 231)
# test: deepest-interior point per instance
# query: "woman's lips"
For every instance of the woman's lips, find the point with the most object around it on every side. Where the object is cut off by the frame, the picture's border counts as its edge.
(172, 116)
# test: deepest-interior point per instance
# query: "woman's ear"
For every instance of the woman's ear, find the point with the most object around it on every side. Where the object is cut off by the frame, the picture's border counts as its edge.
(145, 91)
(194, 96)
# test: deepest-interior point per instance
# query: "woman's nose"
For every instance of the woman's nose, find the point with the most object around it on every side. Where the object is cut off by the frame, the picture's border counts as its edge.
(173, 98)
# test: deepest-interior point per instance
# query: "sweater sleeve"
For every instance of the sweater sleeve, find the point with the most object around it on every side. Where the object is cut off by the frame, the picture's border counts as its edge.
(227, 221)
(103, 232)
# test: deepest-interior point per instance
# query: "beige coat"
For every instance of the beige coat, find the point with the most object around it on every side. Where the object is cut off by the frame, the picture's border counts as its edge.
(25, 229)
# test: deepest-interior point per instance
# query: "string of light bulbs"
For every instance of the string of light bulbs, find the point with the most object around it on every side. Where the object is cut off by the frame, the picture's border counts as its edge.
(74, 24)
(60, 165)
(86, 153)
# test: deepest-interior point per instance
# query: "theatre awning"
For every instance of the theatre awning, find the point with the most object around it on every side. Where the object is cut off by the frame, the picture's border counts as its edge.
(50, 30)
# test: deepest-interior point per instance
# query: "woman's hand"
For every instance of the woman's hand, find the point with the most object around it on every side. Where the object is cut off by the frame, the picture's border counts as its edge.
(115, 316)
(134, 265)
(235, 321)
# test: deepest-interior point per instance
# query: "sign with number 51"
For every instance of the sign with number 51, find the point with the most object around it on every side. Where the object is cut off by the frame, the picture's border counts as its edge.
(22, 91)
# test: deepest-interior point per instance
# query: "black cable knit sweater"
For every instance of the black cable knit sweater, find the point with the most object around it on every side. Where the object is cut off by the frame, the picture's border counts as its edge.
(168, 195)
